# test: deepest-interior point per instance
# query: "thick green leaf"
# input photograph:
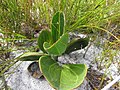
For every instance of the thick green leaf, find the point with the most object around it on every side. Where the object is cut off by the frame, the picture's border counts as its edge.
(65, 77)
(77, 44)
(58, 47)
(30, 56)
(57, 26)
(44, 36)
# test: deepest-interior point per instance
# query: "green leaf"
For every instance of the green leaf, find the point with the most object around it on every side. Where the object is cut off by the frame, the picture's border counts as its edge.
(65, 77)
(30, 56)
(76, 44)
(57, 26)
(44, 36)
(58, 47)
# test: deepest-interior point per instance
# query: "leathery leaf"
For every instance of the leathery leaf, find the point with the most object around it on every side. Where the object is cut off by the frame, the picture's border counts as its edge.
(44, 36)
(65, 77)
(57, 26)
(58, 47)
(76, 44)
(30, 56)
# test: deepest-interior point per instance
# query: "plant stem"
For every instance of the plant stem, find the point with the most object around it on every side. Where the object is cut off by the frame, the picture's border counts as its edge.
(86, 50)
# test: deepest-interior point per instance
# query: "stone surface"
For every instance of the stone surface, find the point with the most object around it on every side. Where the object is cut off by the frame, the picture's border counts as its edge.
(22, 80)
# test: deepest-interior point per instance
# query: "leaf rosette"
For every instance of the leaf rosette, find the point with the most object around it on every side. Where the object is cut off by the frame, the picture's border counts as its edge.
(53, 44)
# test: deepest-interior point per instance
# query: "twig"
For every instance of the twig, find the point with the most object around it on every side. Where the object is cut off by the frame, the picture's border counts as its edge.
(111, 83)
(101, 83)
(92, 85)
(86, 50)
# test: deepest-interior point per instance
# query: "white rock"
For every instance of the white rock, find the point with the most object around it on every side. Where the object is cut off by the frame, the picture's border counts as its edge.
(22, 80)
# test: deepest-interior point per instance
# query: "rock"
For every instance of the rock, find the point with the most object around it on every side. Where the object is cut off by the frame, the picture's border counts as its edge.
(21, 79)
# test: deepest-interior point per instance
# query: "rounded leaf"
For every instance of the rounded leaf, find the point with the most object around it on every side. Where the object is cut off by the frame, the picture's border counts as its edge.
(58, 47)
(57, 26)
(65, 77)
(76, 44)
(44, 36)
